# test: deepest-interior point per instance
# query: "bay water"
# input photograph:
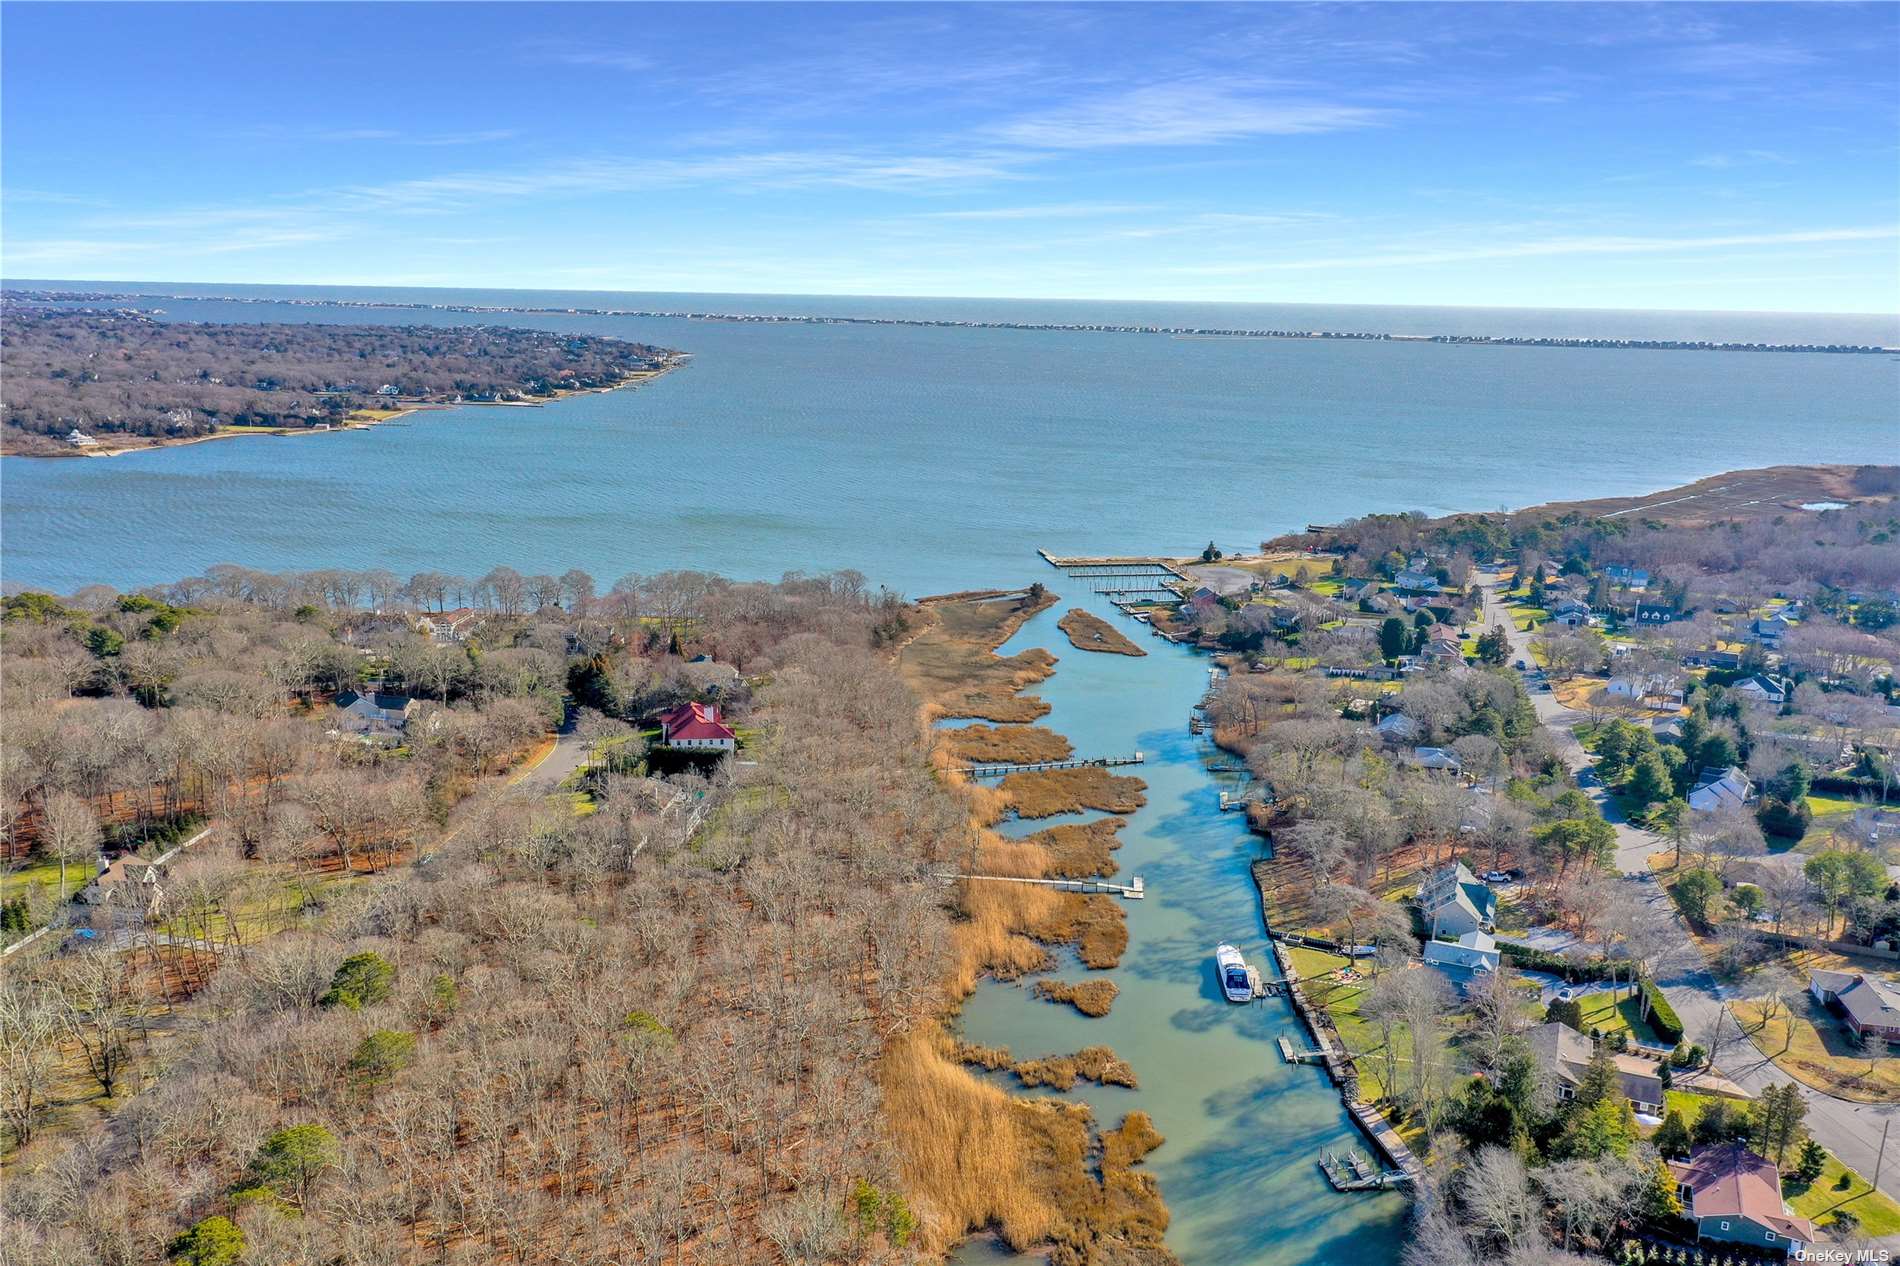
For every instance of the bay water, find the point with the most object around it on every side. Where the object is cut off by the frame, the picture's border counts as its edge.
(935, 459)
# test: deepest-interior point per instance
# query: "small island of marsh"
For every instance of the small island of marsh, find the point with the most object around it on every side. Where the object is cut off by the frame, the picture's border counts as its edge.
(88, 382)
(1090, 632)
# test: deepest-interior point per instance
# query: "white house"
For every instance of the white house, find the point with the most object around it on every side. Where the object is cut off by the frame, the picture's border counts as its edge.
(1761, 691)
(79, 439)
(1720, 788)
(1474, 951)
(1416, 581)
(697, 727)
(447, 626)
(1653, 690)
(1571, 613)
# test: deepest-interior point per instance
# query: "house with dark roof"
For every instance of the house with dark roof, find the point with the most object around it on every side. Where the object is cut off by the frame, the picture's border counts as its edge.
(696, 727)
(1656, 613)
(1769, 630)
(1713, 657)
(1869, 1004)
(1762, 691)
(1567, 1054)
(1734, 1197)
(376, 714)
(1624, 577)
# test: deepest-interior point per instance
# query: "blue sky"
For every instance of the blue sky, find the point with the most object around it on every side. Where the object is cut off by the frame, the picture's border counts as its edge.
(1678, 156)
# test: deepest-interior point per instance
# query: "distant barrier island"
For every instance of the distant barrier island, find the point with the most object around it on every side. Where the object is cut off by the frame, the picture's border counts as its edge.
(1173, 331)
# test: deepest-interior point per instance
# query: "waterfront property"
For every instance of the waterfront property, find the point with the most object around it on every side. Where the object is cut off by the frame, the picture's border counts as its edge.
(1474, 951)
(1734, 1197)
(447, 626)
(1454, 901)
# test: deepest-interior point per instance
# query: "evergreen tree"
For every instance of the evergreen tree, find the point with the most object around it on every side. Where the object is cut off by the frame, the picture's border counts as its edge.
(1394, 638)
(1812, 1162)
(1660, 1200)
(1673, 1139)
(1649, 781)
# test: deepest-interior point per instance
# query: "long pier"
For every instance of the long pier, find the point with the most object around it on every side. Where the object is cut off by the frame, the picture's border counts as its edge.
(1133, 890)
(1094, 762)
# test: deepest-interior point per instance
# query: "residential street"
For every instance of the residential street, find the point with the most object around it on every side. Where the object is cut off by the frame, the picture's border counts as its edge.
(568, 754)
(1633, 846)
(1852, 1131)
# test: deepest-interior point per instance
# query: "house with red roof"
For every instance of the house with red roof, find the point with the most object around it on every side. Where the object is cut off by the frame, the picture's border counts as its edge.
(1734, 1197)
(696, 727)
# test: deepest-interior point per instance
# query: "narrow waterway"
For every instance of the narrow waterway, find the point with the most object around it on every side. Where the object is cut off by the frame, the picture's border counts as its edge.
(1244, 1131)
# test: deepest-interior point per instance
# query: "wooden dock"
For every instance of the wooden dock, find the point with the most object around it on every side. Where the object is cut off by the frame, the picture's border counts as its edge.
(1353, 1172)
(1299, 1054)
(1001, 771)
(1337, 1060)
(1133, 890)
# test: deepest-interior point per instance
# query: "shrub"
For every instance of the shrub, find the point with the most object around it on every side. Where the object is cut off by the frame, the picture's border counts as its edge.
(382, 1054)
(216, 1241)
(1528, 959)
(362, 980)
(1662, 1016)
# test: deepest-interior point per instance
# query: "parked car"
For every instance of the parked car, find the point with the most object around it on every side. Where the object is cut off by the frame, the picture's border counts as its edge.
(1496, 876)
(1521, 665)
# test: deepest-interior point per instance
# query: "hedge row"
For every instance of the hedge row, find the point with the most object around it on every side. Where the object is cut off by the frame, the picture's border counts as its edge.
(1529, 959)
(1662, 1016)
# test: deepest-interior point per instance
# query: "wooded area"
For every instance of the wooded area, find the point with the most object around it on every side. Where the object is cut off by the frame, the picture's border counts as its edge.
(126, 372)
(394, 1008)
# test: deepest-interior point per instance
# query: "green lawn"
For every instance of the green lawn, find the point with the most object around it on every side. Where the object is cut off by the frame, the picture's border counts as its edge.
(1342, 1003)
(1621, 1014)
(1824, 803)
(1878, 1214)
(43, 875)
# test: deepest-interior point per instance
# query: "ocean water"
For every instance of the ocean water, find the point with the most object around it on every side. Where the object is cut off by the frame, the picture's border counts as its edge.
(940, 458)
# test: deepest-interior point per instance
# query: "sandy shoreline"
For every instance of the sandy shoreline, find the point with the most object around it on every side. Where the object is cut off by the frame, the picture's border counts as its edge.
(111, 448)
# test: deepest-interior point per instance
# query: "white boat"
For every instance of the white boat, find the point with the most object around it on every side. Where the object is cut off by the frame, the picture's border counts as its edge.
(1235, 980)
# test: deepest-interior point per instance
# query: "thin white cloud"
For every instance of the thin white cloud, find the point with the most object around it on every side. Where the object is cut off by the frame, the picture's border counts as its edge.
(1741, 158)
(605, 58)
(1047, 211)
(1187, 112)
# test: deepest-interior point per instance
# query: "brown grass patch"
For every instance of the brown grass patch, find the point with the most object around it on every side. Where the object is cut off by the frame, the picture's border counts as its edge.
(1095, 923)
(1098, 1064)
(987, 1158)
(1079, 850)
(1092, 998)
(1043, 793)
(1005, 744)
(951, 665)
(1090, 632)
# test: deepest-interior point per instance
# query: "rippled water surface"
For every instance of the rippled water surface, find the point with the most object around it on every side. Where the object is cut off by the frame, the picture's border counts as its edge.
(937, 458)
